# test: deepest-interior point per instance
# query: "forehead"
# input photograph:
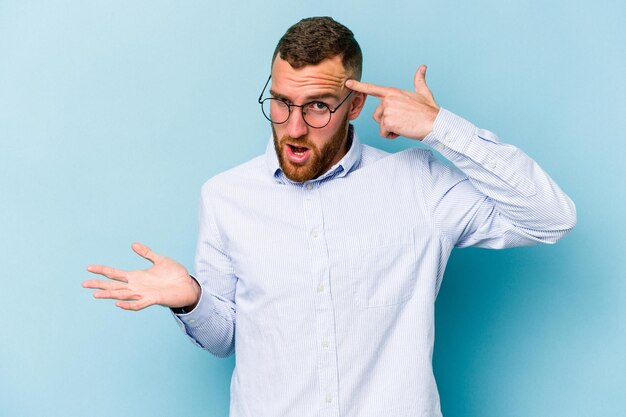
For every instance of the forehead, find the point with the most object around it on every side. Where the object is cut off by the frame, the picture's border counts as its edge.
(327, 77)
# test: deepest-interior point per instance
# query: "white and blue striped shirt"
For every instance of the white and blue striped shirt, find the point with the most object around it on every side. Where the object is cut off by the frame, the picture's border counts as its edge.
(325, 290)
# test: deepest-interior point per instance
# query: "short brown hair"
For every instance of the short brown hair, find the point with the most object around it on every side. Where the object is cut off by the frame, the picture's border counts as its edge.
(314, 39)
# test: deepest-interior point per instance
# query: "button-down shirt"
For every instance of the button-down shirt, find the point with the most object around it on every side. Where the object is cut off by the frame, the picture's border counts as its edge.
(325, 290)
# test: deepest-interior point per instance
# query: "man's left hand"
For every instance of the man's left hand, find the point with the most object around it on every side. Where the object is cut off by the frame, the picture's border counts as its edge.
(402, 113)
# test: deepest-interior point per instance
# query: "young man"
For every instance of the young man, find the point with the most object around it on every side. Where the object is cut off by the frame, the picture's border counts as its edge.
(319, 262)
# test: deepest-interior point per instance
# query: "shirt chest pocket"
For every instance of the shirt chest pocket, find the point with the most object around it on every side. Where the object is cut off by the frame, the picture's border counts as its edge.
(380, 270)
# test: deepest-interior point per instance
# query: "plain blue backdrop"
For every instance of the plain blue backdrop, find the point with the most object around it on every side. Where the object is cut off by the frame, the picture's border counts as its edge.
(113, 113)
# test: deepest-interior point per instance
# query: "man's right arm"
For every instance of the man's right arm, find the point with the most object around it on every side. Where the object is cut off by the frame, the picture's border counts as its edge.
(204, 307)
(211, 324)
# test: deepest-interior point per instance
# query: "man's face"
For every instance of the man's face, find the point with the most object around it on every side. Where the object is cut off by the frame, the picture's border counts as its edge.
(305, 152)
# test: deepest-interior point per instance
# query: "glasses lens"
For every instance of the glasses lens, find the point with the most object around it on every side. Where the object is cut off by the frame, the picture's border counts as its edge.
(276, 111)
(316, 114)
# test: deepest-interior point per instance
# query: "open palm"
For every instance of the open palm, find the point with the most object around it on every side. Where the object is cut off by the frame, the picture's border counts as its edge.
(165, 283)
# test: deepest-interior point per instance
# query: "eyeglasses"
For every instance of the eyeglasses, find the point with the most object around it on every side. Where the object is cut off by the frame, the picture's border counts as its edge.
(316, 114)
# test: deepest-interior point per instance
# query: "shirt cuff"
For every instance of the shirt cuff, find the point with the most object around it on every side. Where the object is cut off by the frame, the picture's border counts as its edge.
(450, 131)
(203, 309)
(470, 147)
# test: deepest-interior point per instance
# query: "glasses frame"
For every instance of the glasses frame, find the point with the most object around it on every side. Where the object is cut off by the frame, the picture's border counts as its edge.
(289, 106)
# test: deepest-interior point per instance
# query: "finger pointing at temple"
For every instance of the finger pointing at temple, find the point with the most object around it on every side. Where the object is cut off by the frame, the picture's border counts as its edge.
(368, 88)
(410, 114)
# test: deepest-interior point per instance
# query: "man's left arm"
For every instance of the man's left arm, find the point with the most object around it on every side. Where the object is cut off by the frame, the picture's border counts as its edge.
(516, 186)
(511, 182)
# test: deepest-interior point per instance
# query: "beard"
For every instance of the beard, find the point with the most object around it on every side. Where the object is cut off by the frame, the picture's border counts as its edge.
(320, 159)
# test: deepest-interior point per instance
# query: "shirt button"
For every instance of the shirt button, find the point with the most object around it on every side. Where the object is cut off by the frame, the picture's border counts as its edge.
(315, 233)
(309, 186)
(320, 288)
(325, 343)
(493, 164)
(192, 321)
(329, 398)
(447, 138)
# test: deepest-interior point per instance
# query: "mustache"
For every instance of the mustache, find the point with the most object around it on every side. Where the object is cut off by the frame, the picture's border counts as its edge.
(303, 141)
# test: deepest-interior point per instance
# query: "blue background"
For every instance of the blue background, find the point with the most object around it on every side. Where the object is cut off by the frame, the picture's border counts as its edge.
(113, 113)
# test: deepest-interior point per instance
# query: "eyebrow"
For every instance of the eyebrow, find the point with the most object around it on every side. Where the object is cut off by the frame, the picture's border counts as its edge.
(309, 98)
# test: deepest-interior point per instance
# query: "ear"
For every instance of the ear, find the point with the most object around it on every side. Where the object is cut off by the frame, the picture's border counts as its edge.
(356, 105)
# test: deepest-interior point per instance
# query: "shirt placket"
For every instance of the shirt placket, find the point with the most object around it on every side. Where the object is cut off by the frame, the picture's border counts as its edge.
(328, 398)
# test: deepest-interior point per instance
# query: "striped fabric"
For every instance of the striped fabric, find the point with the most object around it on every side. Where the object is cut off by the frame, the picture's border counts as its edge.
(325, 290)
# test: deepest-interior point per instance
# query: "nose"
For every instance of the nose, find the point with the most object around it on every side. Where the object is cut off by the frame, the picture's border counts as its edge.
(296, 127)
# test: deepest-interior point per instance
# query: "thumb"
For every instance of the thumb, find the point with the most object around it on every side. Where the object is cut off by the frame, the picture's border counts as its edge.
(419, 79)
(145, 252)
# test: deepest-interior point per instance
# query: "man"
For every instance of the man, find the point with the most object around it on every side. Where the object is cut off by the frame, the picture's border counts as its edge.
(319, 262)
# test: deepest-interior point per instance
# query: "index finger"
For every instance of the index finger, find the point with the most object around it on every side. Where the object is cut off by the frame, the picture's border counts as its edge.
(107, 271)
(368, 88)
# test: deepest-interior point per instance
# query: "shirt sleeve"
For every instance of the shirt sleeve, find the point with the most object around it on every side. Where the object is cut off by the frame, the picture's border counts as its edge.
(498, 197)
(211, 324)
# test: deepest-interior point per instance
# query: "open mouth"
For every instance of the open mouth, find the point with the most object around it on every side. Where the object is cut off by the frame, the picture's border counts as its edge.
(297, 154)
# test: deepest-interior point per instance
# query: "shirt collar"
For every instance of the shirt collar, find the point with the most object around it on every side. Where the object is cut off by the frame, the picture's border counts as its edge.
(349, 162)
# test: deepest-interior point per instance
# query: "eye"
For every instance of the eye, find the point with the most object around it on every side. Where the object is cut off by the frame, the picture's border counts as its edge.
(317, 107)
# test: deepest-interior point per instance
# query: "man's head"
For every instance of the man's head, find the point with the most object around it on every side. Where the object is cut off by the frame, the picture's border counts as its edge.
(311, 64)
(315, 39)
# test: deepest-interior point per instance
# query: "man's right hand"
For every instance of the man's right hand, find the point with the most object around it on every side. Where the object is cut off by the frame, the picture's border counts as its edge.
(165, 283)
